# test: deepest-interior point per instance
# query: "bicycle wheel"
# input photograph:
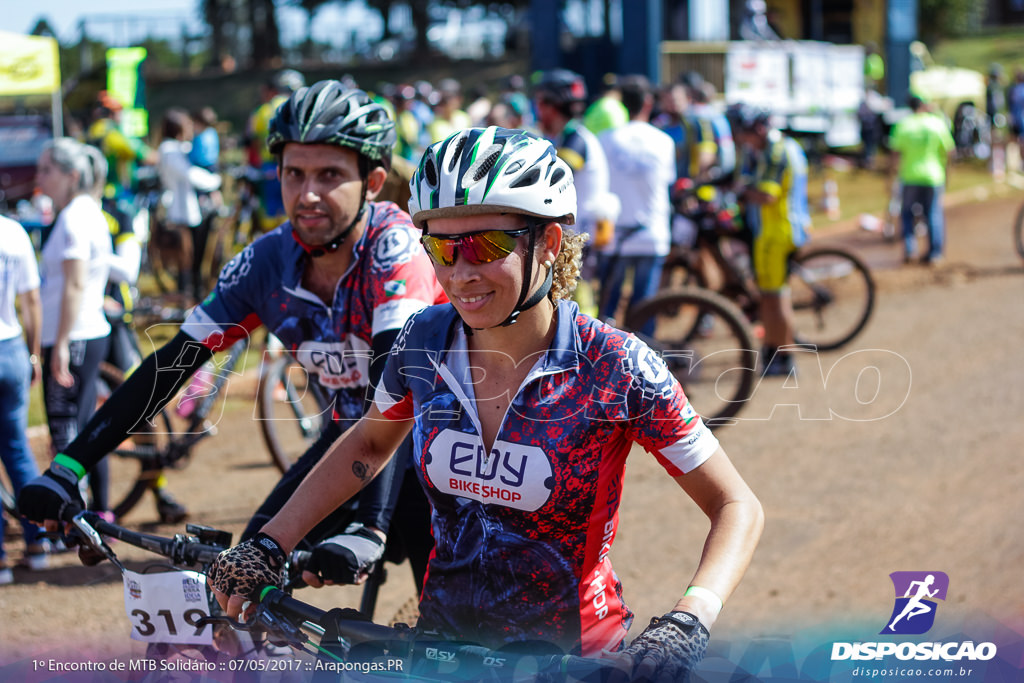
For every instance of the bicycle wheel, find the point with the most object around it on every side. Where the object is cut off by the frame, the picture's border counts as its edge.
(1018, 232)
(706, 343)
(833, 296)
(135, 468)
(292, 410)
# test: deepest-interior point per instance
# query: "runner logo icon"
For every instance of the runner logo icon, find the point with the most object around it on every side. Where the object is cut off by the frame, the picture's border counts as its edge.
(917, 594)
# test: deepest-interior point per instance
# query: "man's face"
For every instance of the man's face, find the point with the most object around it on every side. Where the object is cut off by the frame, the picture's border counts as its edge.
(321, 189)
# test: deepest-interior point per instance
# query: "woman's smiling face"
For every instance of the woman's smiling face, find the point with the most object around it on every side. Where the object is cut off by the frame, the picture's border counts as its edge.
(484, 294)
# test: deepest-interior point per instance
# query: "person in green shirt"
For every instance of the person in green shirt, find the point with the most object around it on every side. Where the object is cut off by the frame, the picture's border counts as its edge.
(921, 144)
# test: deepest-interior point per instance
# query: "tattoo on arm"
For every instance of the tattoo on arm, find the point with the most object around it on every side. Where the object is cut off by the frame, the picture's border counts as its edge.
(362, 471)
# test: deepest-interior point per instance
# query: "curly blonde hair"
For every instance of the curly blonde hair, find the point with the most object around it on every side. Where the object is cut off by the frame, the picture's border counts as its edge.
(566, 269)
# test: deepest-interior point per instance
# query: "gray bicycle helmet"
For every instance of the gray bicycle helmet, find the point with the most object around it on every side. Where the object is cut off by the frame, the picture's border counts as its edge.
(746, 117)
(328, 113)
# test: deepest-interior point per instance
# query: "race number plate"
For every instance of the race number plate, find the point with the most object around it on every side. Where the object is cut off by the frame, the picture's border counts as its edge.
(164, 607)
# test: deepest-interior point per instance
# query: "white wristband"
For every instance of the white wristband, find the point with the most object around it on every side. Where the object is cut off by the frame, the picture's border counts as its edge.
(707, 596)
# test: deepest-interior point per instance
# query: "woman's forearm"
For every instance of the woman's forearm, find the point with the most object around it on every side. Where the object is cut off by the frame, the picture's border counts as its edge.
(71, 298)
(349, 465)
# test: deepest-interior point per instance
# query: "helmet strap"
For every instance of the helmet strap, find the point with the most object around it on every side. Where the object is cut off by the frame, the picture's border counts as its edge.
(527, 301)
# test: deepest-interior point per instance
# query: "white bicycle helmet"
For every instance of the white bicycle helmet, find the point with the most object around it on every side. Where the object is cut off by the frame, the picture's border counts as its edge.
(492, 170)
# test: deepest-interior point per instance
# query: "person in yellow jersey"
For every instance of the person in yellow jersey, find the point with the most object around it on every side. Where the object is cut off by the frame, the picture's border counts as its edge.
(773, 181)
(123, 153)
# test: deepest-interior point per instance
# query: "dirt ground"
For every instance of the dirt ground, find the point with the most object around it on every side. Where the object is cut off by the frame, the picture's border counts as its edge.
(903, 453)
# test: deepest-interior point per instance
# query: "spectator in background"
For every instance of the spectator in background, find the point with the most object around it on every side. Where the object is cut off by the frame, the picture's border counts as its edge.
(559, 96)
(1015, 108)
(408, 125)
(509, 112)
(448, 114)
(606, 112)
(921, 145)
(75, 267)
(19, 370)
(513, 93)
(123, 153)
(205, 151)
(479, 106)
(185, 220)
(641, 167)
(273, 94)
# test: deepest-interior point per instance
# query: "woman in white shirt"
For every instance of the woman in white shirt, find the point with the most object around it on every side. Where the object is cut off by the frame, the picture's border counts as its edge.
(182, 181)
(74, 268)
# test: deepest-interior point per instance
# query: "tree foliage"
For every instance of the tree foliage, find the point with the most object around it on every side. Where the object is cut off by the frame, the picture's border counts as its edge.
(948, 18)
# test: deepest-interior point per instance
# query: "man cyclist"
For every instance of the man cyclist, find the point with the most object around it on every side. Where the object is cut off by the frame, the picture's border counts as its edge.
(773, 185)
(274, 93)
(335, 284)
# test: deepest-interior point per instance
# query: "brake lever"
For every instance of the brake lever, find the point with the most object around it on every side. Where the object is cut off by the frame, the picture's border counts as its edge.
(276, 629)
(93, 538)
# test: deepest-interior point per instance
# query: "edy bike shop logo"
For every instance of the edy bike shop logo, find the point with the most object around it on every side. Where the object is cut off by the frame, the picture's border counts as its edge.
(918, 595)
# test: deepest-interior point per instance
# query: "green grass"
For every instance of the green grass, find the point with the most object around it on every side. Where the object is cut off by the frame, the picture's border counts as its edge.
(868, 192)
(978, 52)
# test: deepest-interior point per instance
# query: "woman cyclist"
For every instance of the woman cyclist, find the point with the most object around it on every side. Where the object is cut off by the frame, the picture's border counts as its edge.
(522, 411)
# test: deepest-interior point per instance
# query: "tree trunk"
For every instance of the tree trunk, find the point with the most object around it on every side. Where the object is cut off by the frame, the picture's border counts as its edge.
(421, 20)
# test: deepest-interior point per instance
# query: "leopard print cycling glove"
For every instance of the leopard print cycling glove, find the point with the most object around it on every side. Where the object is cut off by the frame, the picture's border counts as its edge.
(249, 567)
(668, 649)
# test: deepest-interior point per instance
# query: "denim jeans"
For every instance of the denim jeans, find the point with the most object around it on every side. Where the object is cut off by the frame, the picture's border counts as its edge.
(930, 199)
(612, 272)
(15, 378)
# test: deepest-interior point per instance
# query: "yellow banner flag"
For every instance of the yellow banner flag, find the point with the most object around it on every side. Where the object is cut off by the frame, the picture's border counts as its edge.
(29, 65)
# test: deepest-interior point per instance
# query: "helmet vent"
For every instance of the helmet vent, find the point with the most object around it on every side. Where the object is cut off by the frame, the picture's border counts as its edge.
(557, 176)
(430, 171)
(456, 153)
(483, 166)
(529, 178)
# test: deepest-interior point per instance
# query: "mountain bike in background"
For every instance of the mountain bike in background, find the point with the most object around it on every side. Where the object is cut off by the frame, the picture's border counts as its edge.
(832, 289)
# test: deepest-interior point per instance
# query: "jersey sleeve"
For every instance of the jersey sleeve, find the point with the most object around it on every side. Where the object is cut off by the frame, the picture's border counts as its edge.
(228, 313)
(573, 151)
(402, 279)
(75, 245)
(393, 396)
(661, 418)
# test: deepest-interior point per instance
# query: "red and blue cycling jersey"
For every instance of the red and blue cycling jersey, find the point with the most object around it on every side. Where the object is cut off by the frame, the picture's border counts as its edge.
(522, 531)
(389, 279)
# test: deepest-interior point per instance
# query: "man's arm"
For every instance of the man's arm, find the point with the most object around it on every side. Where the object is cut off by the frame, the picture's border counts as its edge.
(31, 323)
(143, 394)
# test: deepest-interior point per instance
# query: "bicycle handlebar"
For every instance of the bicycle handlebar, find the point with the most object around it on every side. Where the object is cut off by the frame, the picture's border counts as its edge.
(280, 616)
(181, 549)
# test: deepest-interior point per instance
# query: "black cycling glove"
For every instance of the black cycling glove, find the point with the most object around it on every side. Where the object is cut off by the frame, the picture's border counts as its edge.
(48, 496)
(345, 557)
(667, 650)
(248, 568)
